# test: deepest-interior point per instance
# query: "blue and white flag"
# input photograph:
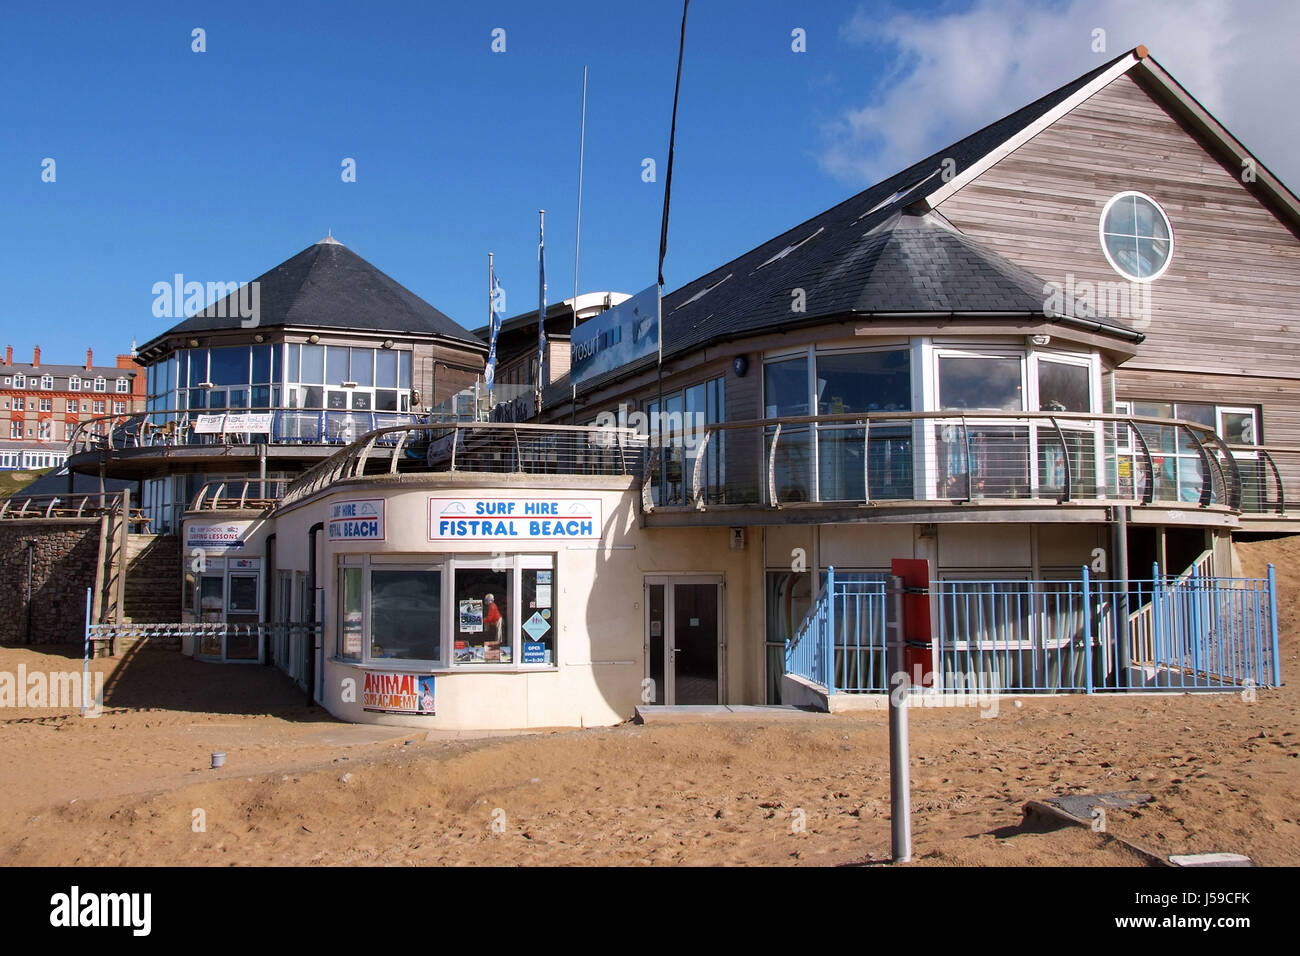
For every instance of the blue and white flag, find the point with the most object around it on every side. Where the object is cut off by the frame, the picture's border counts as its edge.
(496, 297)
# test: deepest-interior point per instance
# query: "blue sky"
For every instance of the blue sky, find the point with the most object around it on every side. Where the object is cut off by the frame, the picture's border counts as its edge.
(219, 165)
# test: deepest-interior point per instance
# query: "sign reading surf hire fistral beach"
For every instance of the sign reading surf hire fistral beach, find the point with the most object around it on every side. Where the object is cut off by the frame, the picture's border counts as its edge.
(494, 519)
(386, 693)
(357, 519)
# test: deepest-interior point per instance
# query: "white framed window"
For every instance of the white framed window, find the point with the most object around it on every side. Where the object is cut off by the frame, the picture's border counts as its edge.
(468, 611)
(74, 383)
(101, 384)
(16, 428)
(390, 612)
(19, 403)
(1237, 425)
(47, 404)
(45, 429)
(99, 408)
(123, 385)
(1136, 237)
(47, 381)
(984, 380)
(119, 408)
(71, 405)
(68, 429)
(20, 380)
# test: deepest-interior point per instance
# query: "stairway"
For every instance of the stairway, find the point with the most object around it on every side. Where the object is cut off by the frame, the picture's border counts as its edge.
(153, 579)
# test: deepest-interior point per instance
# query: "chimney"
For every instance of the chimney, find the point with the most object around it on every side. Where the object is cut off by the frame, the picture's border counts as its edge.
(9, 355)
(36, 357)
(89, 360)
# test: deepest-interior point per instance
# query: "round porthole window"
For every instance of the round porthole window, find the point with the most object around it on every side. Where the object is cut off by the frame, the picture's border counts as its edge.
(1136, 236)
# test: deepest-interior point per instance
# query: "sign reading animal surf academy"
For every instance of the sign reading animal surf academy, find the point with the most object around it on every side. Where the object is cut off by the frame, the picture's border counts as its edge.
(357, 519)
(481, 519)
(216, 537)
(386, 693)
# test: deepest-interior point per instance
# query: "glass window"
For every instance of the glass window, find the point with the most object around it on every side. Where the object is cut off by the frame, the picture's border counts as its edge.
(404, 370)
(405, 614)
(539, 622)
(313, 364)
(262, 364)
(864, 382)
(785, 388)
(386, 368)
(361, 366)
(482, 614)
(293, 354)
(351, 620)
(243, 593)
(1063, 387)
(980, 383)
(1238, 426)
(385, 401)
(336, 365)
(1136, 236)
(229, 366)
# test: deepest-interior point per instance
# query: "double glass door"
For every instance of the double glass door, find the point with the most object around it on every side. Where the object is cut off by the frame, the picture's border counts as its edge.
(683, 644)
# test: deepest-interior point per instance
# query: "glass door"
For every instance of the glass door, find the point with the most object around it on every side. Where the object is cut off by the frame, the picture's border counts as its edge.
(683, 640)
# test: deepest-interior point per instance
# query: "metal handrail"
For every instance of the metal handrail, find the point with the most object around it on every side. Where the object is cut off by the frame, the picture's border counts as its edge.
(345, 461)
(97, 433)
(1086, 473)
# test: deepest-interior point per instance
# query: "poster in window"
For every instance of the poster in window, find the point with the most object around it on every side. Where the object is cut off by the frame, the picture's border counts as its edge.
(352, 633)
(471, 617)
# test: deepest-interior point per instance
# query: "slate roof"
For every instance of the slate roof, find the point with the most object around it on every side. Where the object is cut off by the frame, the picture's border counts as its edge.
(328, 286)
(869, 254)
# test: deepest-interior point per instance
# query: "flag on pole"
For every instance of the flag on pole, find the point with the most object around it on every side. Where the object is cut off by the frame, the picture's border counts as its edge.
(541, 304)
(495, 300)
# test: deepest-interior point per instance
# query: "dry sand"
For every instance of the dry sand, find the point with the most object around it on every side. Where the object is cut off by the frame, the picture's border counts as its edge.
(299, 788)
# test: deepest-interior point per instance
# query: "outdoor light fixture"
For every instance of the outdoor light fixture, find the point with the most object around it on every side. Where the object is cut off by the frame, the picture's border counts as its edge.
(1040, 339)
(313, 338)
(194, 343)
(259, 338)
(740, 365)
(387, 343)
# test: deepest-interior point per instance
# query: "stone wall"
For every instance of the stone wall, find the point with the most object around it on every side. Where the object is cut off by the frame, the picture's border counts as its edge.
(63, 567)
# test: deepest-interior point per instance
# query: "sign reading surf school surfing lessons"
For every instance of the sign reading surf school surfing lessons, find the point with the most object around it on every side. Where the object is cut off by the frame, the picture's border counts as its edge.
(357, 519)
(492, 519)
(216, 537)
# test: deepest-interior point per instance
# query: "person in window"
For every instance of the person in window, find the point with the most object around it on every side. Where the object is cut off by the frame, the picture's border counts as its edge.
(491, 620)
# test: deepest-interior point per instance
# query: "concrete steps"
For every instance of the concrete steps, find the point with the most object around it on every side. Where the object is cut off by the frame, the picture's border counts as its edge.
(153, 579)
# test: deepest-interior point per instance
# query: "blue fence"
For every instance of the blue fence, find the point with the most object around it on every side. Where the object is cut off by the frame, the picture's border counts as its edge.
(1193, 632)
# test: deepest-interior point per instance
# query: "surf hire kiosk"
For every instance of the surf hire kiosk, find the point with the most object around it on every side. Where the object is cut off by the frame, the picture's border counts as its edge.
(1035, 377)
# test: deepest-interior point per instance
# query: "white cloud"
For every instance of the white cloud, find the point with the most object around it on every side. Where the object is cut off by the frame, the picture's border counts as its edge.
(950, 74)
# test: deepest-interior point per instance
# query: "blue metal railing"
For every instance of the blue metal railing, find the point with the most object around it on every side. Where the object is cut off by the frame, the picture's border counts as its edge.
(1193, 632)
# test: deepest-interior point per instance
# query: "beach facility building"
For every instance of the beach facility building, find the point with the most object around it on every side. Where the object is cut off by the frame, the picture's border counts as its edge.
(1044, 375)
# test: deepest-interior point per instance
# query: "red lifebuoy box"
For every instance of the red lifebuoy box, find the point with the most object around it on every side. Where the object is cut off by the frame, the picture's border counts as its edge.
(919, 656)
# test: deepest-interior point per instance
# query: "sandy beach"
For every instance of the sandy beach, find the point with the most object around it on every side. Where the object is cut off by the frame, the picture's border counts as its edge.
(134, 786)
